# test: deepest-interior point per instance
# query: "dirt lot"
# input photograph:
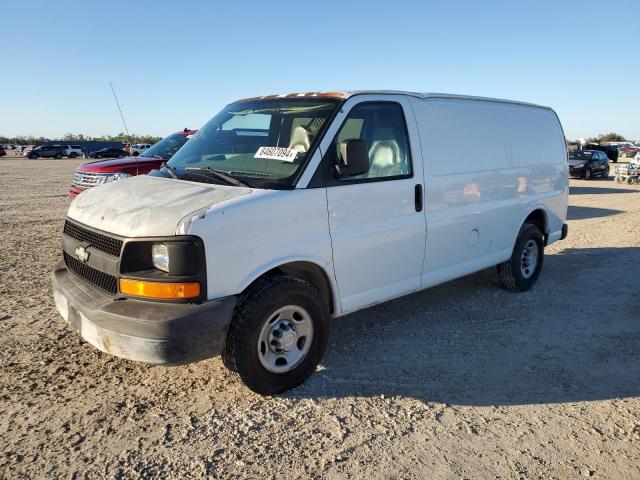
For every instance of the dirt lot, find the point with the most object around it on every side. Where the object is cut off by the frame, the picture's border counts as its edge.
(461, 381)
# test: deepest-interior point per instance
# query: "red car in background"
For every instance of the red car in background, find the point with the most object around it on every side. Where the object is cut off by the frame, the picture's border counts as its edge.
(103, 171)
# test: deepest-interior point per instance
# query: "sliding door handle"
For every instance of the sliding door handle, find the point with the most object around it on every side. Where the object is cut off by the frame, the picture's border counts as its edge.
(418, 197)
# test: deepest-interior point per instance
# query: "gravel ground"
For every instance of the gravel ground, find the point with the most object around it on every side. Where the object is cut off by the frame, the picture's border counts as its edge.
(461, 381)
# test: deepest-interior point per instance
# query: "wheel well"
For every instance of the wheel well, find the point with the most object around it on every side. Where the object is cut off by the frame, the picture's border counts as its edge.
(538, 218)
(310, 272)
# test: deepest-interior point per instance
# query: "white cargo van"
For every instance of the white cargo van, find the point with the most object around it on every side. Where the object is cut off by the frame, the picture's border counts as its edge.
(286, 211)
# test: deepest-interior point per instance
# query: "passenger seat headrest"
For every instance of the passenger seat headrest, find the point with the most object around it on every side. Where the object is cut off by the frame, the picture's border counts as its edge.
(300, 139)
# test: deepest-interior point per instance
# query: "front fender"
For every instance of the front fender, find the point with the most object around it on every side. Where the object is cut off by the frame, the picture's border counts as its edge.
(327, 268)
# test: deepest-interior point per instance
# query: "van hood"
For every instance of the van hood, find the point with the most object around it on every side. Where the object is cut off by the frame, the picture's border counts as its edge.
(146, 206)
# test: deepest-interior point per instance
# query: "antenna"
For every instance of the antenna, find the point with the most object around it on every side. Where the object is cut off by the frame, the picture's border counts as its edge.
(120, 110)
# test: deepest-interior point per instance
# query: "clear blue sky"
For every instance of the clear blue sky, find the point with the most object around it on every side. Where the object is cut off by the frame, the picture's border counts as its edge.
(175, 64)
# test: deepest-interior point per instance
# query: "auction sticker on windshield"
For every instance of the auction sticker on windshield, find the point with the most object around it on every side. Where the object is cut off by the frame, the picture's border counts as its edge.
(277, 153)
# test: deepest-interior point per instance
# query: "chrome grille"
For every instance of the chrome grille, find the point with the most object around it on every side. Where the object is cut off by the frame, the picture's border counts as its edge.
(86, 179)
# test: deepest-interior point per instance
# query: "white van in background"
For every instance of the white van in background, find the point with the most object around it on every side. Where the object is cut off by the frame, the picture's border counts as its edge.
(139, 148)
(284, 211)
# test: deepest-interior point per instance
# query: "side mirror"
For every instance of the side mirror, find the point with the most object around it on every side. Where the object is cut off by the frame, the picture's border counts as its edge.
(354, 158)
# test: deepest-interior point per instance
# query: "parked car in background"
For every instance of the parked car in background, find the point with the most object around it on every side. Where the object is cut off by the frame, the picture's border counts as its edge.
(104, 171)
(587, 163)
(2, 152)
(109, 152)
(48, 151)
(139, 148)
(630, 151)
(73, 151)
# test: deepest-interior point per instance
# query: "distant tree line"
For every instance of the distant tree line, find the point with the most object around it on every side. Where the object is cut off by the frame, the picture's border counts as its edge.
(79, 137)
(608, 137)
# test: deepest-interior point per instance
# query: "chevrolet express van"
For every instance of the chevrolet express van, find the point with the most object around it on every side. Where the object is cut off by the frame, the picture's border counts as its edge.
(284, 212)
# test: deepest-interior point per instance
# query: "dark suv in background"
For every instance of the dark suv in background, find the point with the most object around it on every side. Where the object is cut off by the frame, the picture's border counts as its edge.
(48, 151)
(611, 150)
(587, 163)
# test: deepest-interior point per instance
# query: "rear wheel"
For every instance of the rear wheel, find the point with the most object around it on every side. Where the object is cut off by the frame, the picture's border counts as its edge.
(58, 156)
(522, 270)
(587, 174)
(605, 174)
(629, 180)
(73, 155)
(278, 334)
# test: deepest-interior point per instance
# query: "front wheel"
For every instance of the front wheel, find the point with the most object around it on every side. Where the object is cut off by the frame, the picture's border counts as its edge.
(278, 334)
(522, 270)
(587, 174)
(73, 155)
(605, 174)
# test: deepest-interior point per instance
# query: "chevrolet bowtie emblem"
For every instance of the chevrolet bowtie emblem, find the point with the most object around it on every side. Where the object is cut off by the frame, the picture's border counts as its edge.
(81, 253)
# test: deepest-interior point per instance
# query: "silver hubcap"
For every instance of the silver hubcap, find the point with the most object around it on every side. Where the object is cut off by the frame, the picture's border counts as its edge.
(285, 339)
(529, 259)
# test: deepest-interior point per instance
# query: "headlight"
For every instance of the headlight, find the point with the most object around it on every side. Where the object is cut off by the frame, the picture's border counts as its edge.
(160, 255)
(111, 177)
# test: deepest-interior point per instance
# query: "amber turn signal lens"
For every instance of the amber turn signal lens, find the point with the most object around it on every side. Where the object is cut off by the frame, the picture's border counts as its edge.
(159, 289)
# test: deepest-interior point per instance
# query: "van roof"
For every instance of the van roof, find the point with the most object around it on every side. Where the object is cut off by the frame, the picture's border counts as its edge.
(347, 94)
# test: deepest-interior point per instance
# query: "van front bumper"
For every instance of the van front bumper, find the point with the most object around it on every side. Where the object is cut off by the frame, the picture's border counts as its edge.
(146, 331)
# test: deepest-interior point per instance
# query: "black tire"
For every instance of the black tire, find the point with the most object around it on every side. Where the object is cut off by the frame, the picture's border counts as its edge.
(73, 155)
(254, 308)
(587, 174)
(57, 156)
(510, 272)
(32, 156)
(605, 174)
(98, 156)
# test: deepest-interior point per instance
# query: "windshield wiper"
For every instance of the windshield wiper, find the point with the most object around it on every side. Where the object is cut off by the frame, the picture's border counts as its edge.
(219, 175)
(153, 155)
(170, 169)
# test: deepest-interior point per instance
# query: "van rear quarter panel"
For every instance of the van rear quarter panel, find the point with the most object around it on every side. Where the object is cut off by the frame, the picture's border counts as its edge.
(488, 165)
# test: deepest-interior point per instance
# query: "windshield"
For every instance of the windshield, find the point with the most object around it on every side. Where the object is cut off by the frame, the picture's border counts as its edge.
(580, 155)
(263, 143)
(167, 147)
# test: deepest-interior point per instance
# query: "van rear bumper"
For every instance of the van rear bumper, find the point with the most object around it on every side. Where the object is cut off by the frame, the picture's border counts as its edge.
(146, 331)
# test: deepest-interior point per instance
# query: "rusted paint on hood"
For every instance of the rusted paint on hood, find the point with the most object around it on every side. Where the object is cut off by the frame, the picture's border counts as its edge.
(146, 206)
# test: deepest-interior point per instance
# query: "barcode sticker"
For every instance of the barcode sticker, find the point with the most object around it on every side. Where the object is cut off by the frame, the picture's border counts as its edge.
(277, 153)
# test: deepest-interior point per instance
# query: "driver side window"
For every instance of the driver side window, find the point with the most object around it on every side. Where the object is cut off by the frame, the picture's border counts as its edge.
(382, 127)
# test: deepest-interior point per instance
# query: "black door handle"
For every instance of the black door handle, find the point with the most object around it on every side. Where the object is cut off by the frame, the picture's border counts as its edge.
(418, 197)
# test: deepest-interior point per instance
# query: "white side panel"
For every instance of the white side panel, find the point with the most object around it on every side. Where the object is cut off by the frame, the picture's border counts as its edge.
(249, 236)
(479, 186)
